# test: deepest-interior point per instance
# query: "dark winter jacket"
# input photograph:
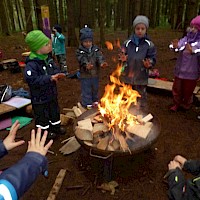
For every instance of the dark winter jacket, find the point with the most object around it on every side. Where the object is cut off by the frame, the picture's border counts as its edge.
(38, 76)
(179, 188)
(16, 180)
(137, 50)
(93, 56)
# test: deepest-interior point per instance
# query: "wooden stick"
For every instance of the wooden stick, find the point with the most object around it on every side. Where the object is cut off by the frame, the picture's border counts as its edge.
(56, 187)
(67, 109)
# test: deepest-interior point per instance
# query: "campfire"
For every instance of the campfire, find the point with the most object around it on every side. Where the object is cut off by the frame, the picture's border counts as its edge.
(113, 125)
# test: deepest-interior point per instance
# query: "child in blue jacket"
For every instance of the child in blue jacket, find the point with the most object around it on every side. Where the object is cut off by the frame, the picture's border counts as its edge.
(90, 60)
(139, 55)
(16, 180)
(58, 47)
(42, 76)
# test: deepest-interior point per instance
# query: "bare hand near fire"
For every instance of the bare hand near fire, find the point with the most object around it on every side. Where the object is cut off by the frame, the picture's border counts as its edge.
(58, 76)
(9, 141)
(180, 159)
(175, 43)
(173, 165)
(37, 143)
(188, 48)
(89, 66)
(122, 57)
(104, 64)
(147, 63)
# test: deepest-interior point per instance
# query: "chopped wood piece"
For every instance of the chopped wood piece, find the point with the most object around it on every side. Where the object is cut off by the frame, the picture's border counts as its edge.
(98, 118)
(57, 185)
(71, 146)
(147, 118)
(140, 130)
(64, 119)
(103, 143)
(98, 128)
(92, 115)
(85, 124)
(71, 115)
(81, 107)
(77, 111)
(67, 109)
(83, 134)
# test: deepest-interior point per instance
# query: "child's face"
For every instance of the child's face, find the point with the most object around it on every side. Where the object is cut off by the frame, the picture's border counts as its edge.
(87, 43)
(193, 29)
(140, 30)
(45, 49)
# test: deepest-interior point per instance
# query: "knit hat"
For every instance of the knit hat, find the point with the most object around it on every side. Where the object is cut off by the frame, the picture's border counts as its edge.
(141, 19)
(86, 33)
(58, 28)
(196, 22)
(36, 40)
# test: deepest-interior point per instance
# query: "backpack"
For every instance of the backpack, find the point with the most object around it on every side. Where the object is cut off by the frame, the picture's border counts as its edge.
(5, 93)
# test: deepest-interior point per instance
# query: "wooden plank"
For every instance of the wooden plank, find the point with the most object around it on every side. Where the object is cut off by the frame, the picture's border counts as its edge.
(165, 85)
(57, 185)
(6, 108)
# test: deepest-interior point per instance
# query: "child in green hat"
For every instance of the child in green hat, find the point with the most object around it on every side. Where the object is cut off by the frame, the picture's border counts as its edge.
(42, 74)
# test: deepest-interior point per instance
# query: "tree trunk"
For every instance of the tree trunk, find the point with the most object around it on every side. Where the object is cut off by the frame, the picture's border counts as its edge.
(72, 39)
(102, 21)
(28, 13)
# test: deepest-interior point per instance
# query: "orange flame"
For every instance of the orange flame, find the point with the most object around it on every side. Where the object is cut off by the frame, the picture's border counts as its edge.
(109, 45)
(116, 101)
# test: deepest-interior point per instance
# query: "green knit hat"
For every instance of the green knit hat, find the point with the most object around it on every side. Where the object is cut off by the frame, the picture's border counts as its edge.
(36, 39)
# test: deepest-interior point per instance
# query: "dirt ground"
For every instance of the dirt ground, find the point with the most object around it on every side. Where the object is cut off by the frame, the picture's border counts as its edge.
(140, 177)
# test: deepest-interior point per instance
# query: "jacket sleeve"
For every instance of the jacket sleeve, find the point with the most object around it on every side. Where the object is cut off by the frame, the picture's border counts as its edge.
(22, 175)
(60, 36)
(176, 184)
(3, 150)
(151, 53)
(33, 78)
(192, 166)
(82, 59)
(100, 57)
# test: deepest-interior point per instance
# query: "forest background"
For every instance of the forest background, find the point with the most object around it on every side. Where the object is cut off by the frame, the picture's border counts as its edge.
(102, 16)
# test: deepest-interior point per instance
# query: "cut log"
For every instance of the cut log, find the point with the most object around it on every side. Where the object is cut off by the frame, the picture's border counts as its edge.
(83, 134)
(99, 128)
(92, 115)
(71, 115)
(147, 118)
(77, 111)
(71, 146)
(140, 130)
(64, 119)
(67, 109)
(85, 124)
(57, 185)
(81, 107)
(103, 143)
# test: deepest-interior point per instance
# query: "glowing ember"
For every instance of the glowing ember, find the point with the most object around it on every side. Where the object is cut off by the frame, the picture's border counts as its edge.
(116, 101)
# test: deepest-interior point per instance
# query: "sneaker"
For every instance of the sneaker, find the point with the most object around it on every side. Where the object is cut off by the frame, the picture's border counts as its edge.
(89, 107)
(95, 104)
(174, 108)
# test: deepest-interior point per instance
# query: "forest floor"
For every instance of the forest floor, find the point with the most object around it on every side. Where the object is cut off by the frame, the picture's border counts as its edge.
(140, 177)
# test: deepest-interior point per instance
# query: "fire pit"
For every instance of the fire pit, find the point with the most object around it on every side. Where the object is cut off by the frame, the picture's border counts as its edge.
(117, 126)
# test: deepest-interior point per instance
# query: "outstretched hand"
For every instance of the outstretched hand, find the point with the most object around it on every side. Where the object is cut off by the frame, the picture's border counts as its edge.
(147, 63)
(173, 165)
(58, 76)
(37, 143)
(180, 159)
(9, 141)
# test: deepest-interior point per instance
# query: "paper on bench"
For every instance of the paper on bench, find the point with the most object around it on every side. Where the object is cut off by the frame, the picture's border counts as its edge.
(18, 102)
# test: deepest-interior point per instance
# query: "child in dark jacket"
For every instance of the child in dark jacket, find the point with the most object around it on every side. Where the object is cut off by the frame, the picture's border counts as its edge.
(138, 55)
(187, 69)
(179, 188)
(42, 74)
(90, 60)
(16, 180)
(59, 49)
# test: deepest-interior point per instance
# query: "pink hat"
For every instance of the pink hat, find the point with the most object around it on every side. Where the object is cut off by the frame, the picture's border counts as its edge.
(196, 22)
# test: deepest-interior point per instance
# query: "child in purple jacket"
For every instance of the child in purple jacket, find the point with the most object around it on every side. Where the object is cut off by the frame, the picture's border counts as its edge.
(187, 69)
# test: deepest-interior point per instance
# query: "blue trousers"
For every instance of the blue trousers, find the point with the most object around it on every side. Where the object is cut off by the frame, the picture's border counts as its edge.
(89, 90)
